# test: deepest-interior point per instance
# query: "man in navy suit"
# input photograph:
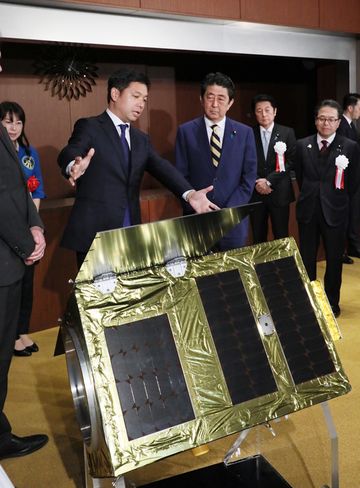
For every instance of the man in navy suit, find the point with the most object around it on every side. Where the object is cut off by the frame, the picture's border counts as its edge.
(21, 243)
(327, 171)
(351, 107)
(232, 171)
(275, 147)
(106, 157)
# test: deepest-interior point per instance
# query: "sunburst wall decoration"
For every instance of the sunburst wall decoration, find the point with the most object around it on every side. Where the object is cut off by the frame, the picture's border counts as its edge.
(67, 72)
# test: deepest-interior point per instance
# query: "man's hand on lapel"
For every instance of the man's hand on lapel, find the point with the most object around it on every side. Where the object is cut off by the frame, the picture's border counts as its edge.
(80, 166)
(199, 201)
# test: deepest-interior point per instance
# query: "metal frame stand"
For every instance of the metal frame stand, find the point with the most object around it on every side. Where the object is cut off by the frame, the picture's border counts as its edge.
(235, 448)
(334, 446)
(4, 479)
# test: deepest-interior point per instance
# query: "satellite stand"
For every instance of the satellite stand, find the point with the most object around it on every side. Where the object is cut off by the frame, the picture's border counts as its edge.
(334, 446)
(235, 448)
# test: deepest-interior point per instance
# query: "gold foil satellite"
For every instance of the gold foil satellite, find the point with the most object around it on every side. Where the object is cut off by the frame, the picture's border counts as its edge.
(170, 346)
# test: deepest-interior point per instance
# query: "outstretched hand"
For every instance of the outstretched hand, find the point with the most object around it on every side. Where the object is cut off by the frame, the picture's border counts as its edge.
(80, 166)
(199, 201)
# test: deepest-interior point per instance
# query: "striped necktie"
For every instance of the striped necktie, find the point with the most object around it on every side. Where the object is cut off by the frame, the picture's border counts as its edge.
(215, 145)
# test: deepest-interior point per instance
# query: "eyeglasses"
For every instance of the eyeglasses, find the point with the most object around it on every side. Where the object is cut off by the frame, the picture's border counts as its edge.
(330, 120)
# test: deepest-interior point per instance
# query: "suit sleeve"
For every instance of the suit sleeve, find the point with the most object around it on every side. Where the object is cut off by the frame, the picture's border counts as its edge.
(14, 228)
(181, 158)
(243, 191)
(354, 176)
(275, 177)
(298, 165)
(78, 145)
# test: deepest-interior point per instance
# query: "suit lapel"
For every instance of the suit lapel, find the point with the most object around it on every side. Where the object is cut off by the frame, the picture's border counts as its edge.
(228, 143)
(113, 137)
(313, 149)
(9, 146)
(203, 141)
(335, 149)
(7, 142)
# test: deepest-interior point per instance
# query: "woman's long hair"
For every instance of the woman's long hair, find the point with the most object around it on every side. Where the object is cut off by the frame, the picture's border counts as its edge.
(10, 109)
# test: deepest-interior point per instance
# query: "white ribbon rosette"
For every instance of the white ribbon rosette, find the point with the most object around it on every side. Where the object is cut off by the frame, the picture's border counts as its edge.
(280, 149)
(341, 163)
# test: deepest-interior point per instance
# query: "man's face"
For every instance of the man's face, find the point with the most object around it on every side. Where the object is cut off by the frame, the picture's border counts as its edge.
(327, 121)
(216, 102)
(129, 103)
(265, 114)
(355, 111)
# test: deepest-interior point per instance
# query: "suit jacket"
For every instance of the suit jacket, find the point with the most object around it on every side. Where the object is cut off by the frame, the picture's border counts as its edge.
(234, 178)
(17, 214)
(106, 189)
(281, 185)
(346, 130)
(316, 182)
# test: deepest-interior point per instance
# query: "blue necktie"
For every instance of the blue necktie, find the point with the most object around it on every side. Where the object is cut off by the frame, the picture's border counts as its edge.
(126, 153)
(125, 146)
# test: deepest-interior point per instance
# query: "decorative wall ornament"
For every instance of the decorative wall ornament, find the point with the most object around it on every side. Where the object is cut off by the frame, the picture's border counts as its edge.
(66, 71)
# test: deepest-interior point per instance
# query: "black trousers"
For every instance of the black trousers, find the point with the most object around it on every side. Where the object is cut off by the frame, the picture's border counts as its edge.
(333, 239)
(353, 230)
(10, 297)
(27, 290)
(259, 218)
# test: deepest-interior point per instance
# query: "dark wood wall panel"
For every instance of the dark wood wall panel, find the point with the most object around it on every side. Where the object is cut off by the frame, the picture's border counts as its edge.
(224, 9)
(341, 16)
(333, 15)
(288, 12)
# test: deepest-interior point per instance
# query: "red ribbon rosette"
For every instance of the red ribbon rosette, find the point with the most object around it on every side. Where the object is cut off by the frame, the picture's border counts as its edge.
(32, 183)
(341, 163)
(280, 149)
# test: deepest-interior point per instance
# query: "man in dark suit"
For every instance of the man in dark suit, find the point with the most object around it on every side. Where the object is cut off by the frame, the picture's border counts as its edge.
(231, 169)
(107, 158)
(21, 242)
(327, 171)
(275, 148)
(351, 107)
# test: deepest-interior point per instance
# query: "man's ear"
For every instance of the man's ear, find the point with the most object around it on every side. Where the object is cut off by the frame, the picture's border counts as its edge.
(114, 94)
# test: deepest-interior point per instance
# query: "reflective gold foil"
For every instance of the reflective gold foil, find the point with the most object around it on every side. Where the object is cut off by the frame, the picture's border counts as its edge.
(148, 290)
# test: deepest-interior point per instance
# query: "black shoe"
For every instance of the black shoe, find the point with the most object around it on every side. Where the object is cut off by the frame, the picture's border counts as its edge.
(22, 352)
(336, 310)
(34, 347)
(346, 259)
(354, 251)
(21, 446)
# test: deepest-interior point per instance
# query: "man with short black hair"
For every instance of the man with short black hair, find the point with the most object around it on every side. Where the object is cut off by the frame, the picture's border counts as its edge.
(216, 150)
(351, 107)
(275, 147)
(327, 171)
(107, 157)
